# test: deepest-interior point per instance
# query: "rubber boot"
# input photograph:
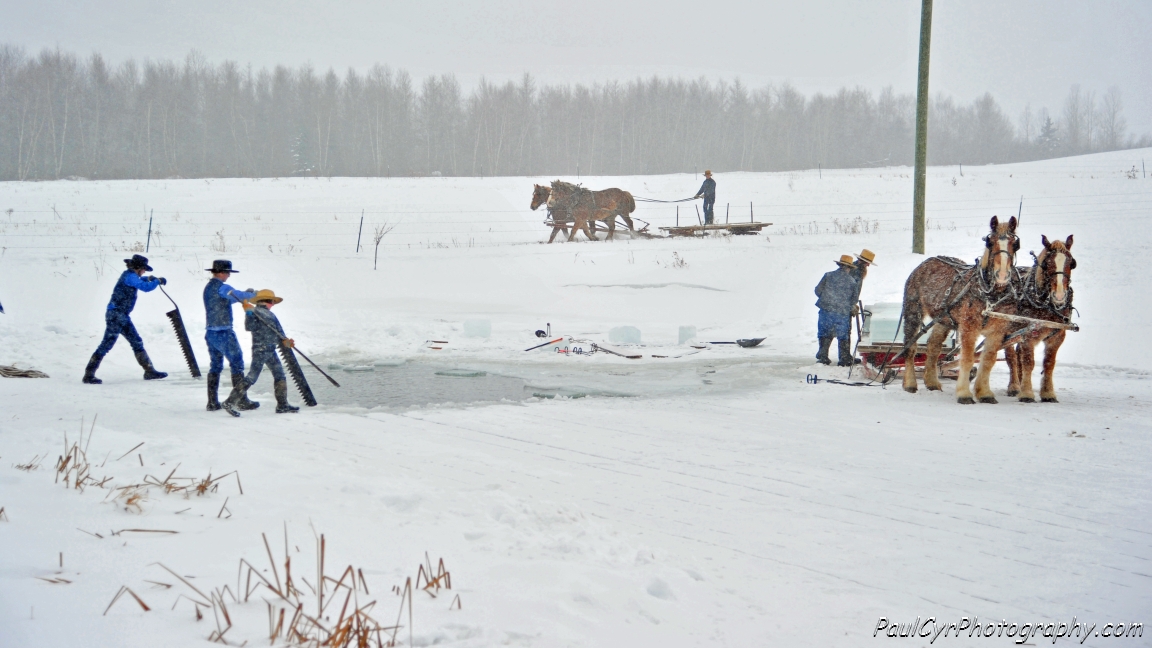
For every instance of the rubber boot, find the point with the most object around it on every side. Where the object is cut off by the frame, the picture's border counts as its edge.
(213, 392)
(280, 387)
(844, 352)
(90, 371)
(822, 354)
(243, 404)
(231, 404)
(150, 372)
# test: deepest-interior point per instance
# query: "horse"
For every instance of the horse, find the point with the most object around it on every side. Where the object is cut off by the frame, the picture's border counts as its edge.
(571, 203)
(1047, 296)
(540, 196)
(956, 295)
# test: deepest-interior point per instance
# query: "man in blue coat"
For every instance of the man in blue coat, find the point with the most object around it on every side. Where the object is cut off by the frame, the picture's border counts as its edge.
(221, 339)
(837, 293)
(118, 322)
(708, 192)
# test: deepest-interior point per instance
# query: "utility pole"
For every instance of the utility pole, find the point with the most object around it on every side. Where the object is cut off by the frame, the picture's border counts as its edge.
(921, 129)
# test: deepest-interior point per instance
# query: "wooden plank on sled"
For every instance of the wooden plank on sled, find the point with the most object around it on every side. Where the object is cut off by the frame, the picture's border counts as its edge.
(1031, 321)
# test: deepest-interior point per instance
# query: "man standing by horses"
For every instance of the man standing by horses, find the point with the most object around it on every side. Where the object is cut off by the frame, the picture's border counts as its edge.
(837, 291)
(708, 192)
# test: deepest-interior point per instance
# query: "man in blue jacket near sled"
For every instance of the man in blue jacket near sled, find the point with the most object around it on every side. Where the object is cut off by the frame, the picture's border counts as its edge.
(837, 292)
(708, 193)
(118, 321)
(221, 339)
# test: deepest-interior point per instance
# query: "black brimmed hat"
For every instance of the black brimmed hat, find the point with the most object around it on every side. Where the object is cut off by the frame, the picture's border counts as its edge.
(137, 261)
(221, 265)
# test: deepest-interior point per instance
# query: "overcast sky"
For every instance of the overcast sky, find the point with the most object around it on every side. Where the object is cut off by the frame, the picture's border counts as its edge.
(1022, 51)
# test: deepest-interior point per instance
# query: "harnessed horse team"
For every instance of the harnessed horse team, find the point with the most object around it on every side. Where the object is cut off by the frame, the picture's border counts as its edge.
(574, 206)
(1013, 308)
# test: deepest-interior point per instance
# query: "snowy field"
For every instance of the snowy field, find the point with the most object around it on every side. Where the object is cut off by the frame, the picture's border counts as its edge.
(709, 499)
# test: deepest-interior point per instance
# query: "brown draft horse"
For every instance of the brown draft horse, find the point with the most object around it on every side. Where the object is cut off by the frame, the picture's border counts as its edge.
(955, 295)
(1047, 295)
(571, 203)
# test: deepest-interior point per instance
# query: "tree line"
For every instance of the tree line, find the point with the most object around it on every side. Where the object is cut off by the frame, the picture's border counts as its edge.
(63, 116)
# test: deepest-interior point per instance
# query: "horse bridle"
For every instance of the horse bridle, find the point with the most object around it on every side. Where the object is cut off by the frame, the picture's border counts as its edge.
(1041, 264)
(987, 286)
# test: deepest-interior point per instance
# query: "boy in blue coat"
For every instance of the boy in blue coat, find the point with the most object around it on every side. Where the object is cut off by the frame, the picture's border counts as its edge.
(266, 335)
(118, 321)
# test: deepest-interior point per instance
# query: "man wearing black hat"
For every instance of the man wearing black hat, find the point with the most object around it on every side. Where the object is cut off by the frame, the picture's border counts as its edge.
(221, 339)
(118, 321)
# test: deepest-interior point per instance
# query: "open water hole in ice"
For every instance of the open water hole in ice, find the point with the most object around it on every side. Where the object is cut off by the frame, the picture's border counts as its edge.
(413, 384)
(422, 384)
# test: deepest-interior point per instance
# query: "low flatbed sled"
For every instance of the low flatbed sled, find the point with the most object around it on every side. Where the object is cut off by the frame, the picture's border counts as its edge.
(699, 230)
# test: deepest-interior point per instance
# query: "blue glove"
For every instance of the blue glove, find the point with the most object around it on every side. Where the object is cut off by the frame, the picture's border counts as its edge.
(163, 281)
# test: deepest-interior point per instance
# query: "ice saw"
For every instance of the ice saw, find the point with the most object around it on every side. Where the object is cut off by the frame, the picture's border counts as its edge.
(182, 336)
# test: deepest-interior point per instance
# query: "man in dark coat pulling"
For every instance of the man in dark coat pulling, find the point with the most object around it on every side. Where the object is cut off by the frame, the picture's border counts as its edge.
(266, 334)
(118, 321)
(708, 192)
(837, 292)
(221, 339)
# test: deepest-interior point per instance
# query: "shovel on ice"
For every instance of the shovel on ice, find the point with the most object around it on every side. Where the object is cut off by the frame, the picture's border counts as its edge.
(747, 343)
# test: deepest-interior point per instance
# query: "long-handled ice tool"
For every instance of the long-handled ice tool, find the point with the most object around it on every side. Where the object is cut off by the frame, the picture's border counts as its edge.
(288, 354)
(182, 335)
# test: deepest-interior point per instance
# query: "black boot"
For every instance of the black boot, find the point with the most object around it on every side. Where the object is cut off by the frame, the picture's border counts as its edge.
(243, 404)
(213, 392)
(90, 370)
(280, 387)
(232, 403)
(150, 372)
(844, 352)
(822, 354)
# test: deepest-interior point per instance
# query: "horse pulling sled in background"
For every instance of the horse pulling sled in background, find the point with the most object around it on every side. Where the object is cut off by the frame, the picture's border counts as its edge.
(573, 208)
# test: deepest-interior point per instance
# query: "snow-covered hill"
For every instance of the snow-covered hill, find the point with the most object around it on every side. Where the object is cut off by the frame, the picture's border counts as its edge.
(727, 503)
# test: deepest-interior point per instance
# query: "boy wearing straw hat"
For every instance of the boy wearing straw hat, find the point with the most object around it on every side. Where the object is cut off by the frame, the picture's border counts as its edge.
(837, 293)
(266, 334)
(865, 259)
(118, 320)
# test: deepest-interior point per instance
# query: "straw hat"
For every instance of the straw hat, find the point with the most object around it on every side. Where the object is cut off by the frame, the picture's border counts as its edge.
(707, 173)
(264, 294)
(845, 260)
(868, 256)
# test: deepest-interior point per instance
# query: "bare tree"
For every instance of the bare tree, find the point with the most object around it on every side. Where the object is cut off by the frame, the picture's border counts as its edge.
(1112, 123)
(377, 236)
(1027, 124)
